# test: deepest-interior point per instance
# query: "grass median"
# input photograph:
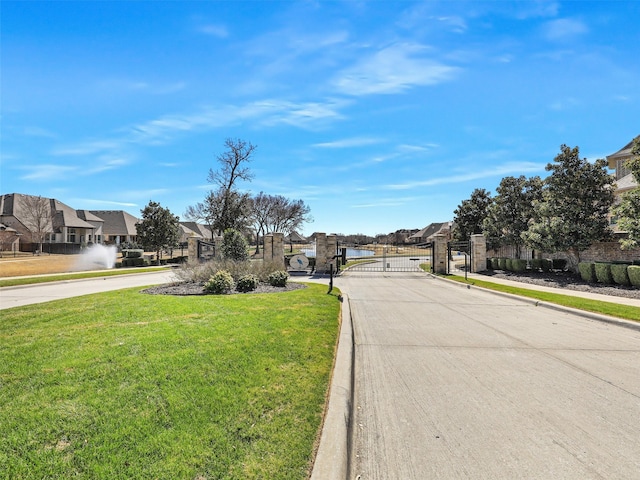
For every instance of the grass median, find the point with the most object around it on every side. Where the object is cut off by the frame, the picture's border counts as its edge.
(129, 385)
(606, 308)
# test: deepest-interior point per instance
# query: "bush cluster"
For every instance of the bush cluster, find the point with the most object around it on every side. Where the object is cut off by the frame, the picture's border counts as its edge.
(219, 283)
(610, 273)
(278, 278)
(520, 265)
(247, 283)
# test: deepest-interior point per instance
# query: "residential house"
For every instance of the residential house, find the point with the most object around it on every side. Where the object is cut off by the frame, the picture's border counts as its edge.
(194, 229)
(427, 233)
(58, 222)
(119, 226)
(624, 178)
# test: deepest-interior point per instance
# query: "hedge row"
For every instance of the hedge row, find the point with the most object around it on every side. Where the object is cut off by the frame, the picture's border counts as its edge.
(519, 265)
(610, 273)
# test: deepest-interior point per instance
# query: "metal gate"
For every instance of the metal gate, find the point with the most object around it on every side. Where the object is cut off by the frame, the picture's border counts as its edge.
(459, 255)
(389, 258)
(206, 250)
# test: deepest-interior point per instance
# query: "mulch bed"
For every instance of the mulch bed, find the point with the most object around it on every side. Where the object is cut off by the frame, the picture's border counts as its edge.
(566, 280)
(191, 288)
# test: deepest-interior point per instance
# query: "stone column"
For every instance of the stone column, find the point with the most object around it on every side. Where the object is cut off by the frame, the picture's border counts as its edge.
(440, 254)
(321, 253)
(192, 248)
(479, 253)
(332, 250)
(274, 248)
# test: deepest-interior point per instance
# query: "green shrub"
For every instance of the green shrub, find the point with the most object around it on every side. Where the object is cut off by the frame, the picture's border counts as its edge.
(140, 262)
(278, 278)
(558, 263)
(132, 253)
(502, 263)
(247, 283)
(619, 274)
(546, 265)
(603, 273)
(509, 264)
(118, 265)
(234, 246)
(519, 265)
(634, 275)
(588, 271)
(220, 282)
(536, 264)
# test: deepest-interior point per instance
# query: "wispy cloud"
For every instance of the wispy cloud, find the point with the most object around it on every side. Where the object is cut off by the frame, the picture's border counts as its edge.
(349, 142)
(516, 168)
(47, 172)
(102, 203)
(213, 30)
(394, 69)
(564, 29)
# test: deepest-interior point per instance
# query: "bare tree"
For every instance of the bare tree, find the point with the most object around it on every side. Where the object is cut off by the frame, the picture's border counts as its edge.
(225, 207)
(37, 216)
(261, 206)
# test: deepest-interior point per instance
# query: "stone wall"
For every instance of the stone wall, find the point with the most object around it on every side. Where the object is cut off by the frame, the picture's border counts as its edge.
(603, 252)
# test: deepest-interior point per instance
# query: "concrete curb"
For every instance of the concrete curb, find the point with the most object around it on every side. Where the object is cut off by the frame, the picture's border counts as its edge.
(552, 306)
(332, 458)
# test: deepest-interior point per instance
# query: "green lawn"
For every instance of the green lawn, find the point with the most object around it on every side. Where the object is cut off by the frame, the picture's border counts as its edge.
(127, 385)
(596, 306)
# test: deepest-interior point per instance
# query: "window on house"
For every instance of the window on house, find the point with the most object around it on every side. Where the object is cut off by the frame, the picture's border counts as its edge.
(621, 169)
(71, 235)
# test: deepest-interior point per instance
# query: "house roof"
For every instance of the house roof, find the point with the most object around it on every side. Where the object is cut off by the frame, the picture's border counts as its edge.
(88, 216)
(431, 230)
(117, 222)
(197, 228)
(295, 237)
(626, 183)
(623, 153)
(62, 215)
(65, 216)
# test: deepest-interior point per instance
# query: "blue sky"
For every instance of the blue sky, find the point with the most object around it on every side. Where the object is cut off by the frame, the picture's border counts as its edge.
(380, 115)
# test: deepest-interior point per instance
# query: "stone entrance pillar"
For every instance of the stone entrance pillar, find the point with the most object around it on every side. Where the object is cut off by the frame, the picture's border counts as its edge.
(479, 253)
(440, 254)
(274, 248)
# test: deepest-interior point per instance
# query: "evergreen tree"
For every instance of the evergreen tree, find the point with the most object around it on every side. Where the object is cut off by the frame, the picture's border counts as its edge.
(512, 209)
(158, 229)
(572, 214)
(234, 246)
(470, 214)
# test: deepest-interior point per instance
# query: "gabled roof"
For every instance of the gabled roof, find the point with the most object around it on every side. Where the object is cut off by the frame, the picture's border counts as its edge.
(623, 153)
(626, 183)
(197, 228)
(62, 215)
(430, 230)
(117, 222)
(65, 216)
(295, 237)
(88, 216)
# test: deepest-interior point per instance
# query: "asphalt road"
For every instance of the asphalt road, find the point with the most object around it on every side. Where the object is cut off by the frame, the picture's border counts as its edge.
(30, 294)
(454, 383)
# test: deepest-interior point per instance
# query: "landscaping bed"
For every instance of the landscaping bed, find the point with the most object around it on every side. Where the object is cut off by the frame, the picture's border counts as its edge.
(196, 288)
(563, 279)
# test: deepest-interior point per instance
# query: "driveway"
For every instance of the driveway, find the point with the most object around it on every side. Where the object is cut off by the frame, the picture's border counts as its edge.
(453, 383)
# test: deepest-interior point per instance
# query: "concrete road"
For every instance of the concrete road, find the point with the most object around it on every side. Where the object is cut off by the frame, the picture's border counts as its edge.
(30, 294)
(454, 383)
